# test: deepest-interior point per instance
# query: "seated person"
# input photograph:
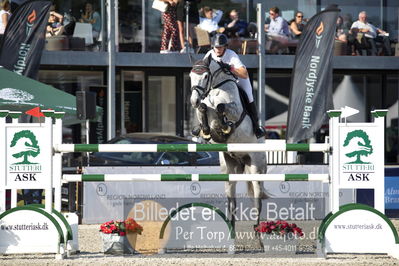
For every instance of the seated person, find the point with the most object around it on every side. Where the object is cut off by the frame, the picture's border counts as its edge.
(344, 34)
(210, 20)
(297, 25)
(340, 33)
(92, 17)
(277, 31)
(371, 36)
(54, 25)
(235, 27)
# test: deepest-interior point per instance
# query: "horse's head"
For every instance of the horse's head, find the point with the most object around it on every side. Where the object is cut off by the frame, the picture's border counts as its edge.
(200, 75)
(206, 75)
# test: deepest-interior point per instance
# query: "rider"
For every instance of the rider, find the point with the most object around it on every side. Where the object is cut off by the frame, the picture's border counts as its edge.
(219, 52)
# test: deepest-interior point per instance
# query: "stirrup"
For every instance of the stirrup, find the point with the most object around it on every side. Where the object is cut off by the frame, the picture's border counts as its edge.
(259, 132)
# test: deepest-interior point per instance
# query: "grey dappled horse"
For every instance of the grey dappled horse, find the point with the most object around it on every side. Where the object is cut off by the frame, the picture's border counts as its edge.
(222, 118)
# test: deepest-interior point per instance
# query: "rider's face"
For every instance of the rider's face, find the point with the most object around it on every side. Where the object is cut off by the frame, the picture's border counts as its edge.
(219, 51)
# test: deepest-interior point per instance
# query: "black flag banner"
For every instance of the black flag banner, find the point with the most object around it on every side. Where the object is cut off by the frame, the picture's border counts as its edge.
(311, 84)
(24, 38)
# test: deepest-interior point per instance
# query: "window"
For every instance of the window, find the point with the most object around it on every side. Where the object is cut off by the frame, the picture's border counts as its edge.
(130, 105)
(161, 101)
(130, 36)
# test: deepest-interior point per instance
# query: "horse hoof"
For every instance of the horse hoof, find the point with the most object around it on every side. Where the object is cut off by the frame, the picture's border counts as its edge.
(227, 130)
(196, 131)
(206, 136)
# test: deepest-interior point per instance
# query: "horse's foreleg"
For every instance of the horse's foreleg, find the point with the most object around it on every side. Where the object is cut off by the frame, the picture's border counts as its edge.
(220, 111)
(204, 121)
(256, 165)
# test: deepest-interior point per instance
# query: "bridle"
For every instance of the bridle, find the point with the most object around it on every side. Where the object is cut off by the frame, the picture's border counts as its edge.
(202, 68)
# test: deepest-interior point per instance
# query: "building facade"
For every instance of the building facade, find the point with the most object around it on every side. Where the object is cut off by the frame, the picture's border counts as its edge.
(148, 91)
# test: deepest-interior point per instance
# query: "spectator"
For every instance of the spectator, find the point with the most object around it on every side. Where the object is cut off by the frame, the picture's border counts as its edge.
(297, 25)
(4, 15)
(193, 20)
(278, 26)
(233, 63)
(277, 31)
(54, 25)
(170, 32)
(92, 17)
(210, 20)
(371, 34)
(340, 33)
(344, 33)
(235, 27)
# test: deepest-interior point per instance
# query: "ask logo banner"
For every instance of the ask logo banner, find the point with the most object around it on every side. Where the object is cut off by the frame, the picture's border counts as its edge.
(28, 162)
(357, 157)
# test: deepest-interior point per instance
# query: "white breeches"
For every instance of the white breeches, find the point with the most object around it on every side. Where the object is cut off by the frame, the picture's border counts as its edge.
(246, 85)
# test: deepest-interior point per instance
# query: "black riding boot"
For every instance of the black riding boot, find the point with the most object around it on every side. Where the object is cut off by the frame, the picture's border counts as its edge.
(253, 114)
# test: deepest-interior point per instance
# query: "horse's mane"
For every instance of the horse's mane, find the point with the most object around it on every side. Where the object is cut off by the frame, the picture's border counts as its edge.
(200, 67)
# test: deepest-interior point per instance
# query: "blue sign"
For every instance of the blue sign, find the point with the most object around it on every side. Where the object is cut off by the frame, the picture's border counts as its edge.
(392, 192)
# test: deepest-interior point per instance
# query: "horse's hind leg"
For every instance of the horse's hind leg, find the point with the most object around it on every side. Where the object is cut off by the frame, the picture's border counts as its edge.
(256, 165)
(256, 187)
(230, 189)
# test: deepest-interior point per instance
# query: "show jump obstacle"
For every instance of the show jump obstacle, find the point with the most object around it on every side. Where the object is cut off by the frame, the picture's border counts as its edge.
(31, 158)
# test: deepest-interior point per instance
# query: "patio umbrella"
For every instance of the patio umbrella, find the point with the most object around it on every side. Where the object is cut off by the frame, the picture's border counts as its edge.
(19, 93)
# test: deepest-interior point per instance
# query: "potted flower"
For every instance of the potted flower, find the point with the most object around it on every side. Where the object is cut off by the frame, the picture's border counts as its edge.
(279, 236)
(113, 234)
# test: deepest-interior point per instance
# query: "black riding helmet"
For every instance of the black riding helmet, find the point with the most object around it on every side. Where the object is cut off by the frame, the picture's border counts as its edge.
(219, 40)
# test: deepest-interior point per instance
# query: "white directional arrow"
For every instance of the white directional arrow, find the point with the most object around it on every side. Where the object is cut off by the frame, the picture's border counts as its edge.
(348, 111)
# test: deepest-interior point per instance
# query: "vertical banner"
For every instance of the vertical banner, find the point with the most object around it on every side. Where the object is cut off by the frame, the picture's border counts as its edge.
(98, 129)
(311, 85)
(24, 38)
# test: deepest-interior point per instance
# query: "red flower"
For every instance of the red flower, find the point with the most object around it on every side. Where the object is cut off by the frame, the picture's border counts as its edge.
(279, 228)
(297, 231)
(121, 227)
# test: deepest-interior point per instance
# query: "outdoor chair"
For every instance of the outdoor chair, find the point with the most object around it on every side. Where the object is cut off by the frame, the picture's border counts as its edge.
(204, 40)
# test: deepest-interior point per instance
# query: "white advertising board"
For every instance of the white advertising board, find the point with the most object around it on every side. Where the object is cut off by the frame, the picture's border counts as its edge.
(107, 200)
(28, 160)
(29, 231)
(359, 152)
